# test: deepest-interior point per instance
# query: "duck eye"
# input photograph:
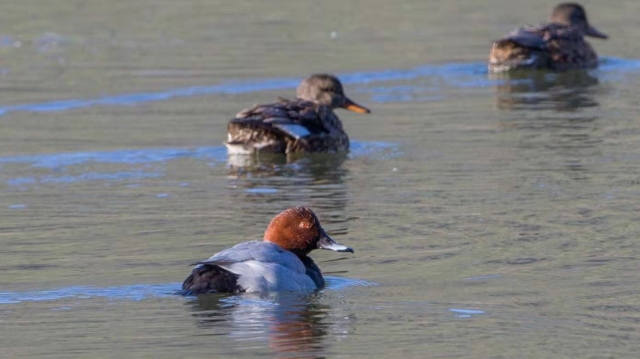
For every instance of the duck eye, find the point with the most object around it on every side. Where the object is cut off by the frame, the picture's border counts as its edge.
(304, 225)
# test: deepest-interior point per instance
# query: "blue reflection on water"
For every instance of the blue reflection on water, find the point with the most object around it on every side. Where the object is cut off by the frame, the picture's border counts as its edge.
(466, 313)
(133, 156)
(134, 292)
(130, 292)
(448, 71)
(149, 155)
(616, 64)
(91, 176)
(262, 190)
(58, 161)
(453, 74)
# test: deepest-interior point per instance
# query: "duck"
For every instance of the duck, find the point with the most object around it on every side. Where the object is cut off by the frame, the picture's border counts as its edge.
(557, 45)
(278, 263)
(306, 124)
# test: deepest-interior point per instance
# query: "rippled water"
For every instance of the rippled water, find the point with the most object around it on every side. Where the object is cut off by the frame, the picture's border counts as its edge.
(492, 217)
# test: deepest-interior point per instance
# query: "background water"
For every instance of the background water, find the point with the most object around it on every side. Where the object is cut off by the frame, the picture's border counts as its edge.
(491, 217)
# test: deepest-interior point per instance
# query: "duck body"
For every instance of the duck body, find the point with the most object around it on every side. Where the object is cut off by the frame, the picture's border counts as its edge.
(306, 124)
(286, 126)
(255, 266)
(546, 46)
(278, 263)
(558, 45)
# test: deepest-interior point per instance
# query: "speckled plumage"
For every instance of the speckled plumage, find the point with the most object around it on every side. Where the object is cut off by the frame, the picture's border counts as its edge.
(558, 45)
(260, 128)
(306, 124)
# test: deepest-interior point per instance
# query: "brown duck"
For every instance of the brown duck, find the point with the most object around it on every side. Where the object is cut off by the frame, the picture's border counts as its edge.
(306, 124)
(556, 45)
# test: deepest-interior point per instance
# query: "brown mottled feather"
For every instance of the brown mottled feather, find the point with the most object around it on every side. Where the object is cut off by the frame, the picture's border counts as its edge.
(256, 125)
(557, 45)
(564, 49)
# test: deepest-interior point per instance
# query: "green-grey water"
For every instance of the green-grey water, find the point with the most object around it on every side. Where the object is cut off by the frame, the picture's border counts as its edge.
(491, 217)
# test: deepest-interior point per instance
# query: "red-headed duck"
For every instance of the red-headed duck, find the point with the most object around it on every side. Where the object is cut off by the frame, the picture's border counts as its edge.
(280, 262)
(306, 124)
(556, 45)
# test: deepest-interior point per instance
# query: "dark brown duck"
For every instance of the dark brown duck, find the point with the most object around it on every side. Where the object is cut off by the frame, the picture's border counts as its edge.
(556, 45)
(306, 124)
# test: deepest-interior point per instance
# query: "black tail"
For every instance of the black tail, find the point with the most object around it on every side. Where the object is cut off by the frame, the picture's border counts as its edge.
(210, 279)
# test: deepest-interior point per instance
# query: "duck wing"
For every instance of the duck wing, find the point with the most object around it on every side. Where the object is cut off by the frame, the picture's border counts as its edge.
(527, 37)
(540, 36)
(296, 119)
(259, 251)
(255, 266)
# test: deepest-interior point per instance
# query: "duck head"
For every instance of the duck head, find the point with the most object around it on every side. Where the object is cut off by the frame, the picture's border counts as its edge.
(327, 90)
(298, 230)
(573, 14)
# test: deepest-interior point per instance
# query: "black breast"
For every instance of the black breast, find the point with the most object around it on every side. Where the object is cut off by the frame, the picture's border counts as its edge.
(312, 270)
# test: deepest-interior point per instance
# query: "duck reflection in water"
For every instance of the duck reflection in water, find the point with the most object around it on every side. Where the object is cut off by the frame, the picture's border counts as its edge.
(265, 182)
(291, 325)
(539, 90)
(319, 165)
(554, 129)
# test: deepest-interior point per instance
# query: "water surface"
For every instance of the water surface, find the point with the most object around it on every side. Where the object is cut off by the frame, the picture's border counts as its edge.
(491, 217)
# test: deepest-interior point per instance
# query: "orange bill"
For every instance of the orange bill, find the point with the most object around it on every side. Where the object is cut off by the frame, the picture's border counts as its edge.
(352, 106)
